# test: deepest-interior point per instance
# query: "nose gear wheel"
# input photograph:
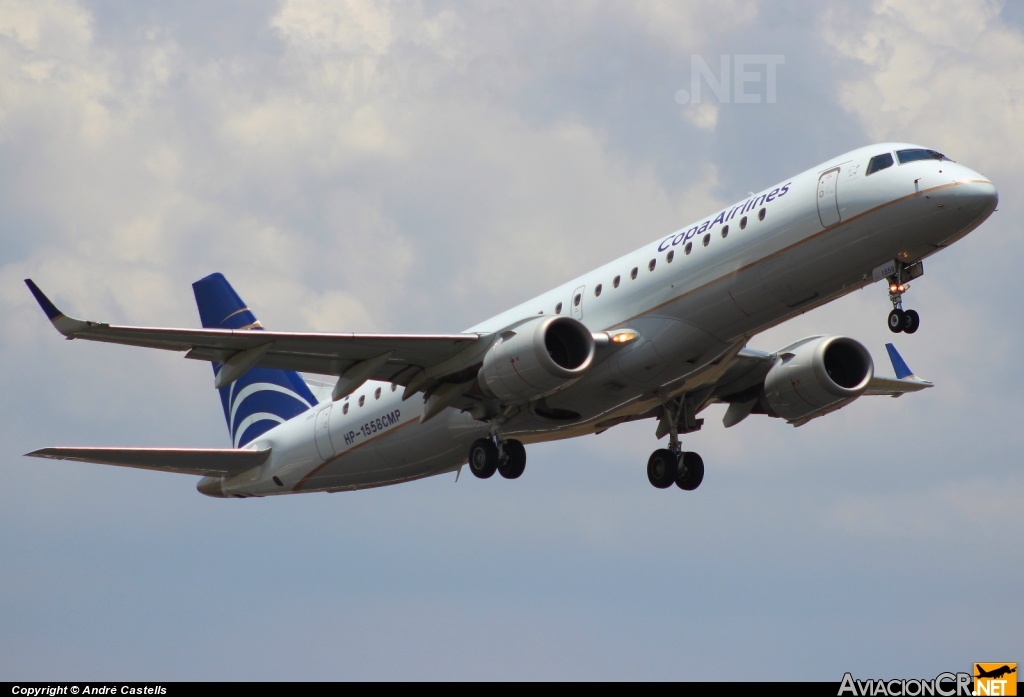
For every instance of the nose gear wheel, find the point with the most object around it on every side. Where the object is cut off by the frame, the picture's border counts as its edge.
(901, 320)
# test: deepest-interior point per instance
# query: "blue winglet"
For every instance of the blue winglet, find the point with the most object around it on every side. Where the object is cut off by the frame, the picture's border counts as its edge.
(44, 302)
(898, 364)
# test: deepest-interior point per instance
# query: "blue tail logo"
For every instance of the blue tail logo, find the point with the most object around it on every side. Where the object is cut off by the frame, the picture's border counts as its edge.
(263, 397)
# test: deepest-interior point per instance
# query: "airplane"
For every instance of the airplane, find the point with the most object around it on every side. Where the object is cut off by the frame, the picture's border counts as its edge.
(659, 334)
(996, 673)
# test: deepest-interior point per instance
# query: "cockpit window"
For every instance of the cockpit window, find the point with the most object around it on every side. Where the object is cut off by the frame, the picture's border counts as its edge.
(916, 154)
(879, 162)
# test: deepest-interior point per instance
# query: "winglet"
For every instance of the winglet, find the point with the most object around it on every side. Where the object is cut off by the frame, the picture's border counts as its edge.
(67, 326)
(44, 302)
(898, 364)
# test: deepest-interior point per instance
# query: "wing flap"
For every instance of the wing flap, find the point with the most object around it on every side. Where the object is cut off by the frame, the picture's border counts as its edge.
(220, 462)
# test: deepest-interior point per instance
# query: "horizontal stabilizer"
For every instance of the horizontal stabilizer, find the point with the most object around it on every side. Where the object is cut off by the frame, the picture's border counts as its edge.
(211, 462)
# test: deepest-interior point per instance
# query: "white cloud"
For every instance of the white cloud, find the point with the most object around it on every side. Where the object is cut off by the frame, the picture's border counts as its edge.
(948, 73)
(351, 25)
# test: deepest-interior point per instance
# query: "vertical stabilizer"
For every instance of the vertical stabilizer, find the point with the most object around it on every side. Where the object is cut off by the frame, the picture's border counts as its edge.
(261, 398)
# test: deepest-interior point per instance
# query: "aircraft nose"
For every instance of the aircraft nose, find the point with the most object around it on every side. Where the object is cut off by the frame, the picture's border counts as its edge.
(977, 196)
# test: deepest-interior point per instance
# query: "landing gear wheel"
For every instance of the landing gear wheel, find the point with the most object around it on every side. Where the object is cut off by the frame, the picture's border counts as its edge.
(897, 320)
(662, 468)
(911, 321)
(515, 460)
(483, 458)
(691, 471)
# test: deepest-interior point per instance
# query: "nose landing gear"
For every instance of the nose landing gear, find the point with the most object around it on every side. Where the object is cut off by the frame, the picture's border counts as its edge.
(904, 321)
(900, 320)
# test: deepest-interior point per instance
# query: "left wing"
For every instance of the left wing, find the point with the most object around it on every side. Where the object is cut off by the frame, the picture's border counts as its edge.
(397, 358)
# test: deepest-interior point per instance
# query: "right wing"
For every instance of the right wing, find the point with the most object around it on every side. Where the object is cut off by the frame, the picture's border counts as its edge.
(905, 380)
(743, 382)
(404, 359)
(221, 462)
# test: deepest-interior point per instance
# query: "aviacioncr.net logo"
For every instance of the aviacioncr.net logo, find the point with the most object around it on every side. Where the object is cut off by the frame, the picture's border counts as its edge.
(995, 679)
(943, 685)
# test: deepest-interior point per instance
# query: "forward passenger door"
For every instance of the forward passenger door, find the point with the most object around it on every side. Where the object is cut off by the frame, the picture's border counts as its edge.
(828, 203)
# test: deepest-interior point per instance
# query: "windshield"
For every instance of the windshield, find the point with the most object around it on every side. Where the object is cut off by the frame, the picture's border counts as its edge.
(879, 162)
(915, 154)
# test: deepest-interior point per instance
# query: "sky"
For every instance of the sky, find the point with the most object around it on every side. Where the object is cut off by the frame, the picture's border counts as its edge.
(419, 167)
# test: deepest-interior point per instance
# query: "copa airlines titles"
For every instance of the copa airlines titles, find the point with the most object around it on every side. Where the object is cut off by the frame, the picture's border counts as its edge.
(725, 216)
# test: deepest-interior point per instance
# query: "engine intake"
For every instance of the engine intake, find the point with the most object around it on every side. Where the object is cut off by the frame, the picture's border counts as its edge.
(537, 358)
(816, 376)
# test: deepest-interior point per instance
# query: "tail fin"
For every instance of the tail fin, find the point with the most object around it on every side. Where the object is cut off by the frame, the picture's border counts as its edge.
(263, 397)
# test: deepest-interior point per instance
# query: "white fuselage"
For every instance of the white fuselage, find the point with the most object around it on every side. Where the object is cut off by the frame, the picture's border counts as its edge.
(695, 295)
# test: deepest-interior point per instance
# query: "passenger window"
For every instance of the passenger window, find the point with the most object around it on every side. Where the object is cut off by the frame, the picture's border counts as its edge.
(760, 214)
(615, 282)
(725, 231)
(376, 393)
(688, 247)
(743, 223)
(915, 154)
(879, 162)
(670, 256)
(558, 309)
(707, 240)
(576, 300)
(632, 274)
(362, 400)
(394, 387)
(597, 291)
(344, 409)
(650, 267)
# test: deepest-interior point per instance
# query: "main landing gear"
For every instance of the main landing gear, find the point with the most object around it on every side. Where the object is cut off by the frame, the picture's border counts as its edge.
(671, 465)
(901, 320)
(685, 470)
(490, 455)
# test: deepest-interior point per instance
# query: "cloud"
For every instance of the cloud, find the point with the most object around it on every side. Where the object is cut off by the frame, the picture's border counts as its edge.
(947, 73)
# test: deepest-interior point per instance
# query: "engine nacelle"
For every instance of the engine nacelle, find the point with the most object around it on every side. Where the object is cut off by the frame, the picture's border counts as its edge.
(816, 376)
(536, 359)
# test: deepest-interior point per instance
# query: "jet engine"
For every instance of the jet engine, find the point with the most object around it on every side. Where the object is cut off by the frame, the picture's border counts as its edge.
(537, 358)
(816, 376)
